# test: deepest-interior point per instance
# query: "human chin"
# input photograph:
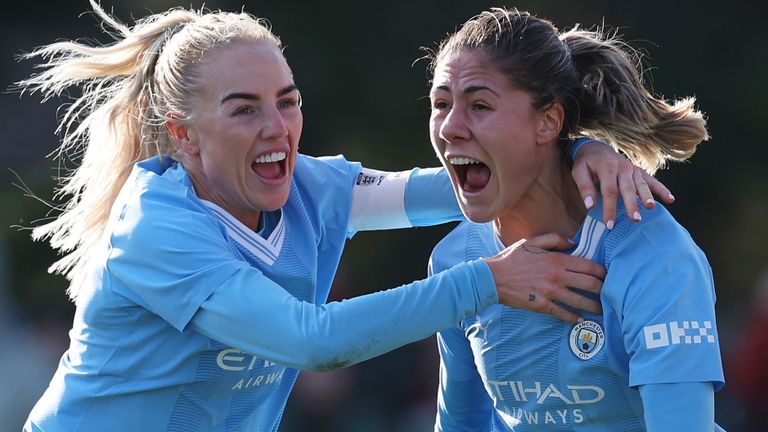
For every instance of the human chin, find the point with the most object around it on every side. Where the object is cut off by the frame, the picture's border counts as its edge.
(476, 212)
(273, 198)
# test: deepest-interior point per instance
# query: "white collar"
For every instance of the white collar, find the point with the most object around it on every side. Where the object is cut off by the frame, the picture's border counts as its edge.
(266, 250)
(591, 232)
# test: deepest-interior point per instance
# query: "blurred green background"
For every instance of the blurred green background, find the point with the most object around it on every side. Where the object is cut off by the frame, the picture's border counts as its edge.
(365, 97)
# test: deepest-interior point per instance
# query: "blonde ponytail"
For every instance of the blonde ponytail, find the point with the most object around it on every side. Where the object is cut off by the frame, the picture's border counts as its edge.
(119, 119)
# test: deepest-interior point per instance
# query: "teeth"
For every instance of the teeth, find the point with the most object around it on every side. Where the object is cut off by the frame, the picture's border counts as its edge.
(271, 157)
(462, 161)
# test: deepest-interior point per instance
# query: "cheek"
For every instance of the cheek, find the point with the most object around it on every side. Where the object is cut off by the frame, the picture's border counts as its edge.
(434, 135)
(434, 125)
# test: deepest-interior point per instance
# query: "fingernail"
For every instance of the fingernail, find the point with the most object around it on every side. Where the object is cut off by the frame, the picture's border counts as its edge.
(650, 202)
(671, 197)
(636, 215)
(571, 241)
(580, 320)
(588, 202)
(609, 225)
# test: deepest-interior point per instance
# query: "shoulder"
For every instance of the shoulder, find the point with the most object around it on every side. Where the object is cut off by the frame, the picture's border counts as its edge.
(466, 242)
(656, 258)
(325, 168)
(658, 233)
(157, 204)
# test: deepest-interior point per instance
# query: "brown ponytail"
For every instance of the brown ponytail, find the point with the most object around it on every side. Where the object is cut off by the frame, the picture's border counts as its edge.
(617, 108)
(594, 77)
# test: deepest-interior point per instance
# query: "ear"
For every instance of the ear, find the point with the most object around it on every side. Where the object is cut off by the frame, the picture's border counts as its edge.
(550, 122)
(180, 134)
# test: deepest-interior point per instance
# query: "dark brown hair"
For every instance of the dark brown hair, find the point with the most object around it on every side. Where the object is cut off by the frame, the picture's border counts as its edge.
(596, 78)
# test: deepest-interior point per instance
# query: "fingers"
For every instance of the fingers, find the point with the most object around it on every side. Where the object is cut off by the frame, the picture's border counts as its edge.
(658, 188)
(586, 184)
(563, 314)
(580, 265)
(643, 189)
(533, 279)
(609, 189)
(629, 192)
(580, 302)
(548, 304)
(584, 282)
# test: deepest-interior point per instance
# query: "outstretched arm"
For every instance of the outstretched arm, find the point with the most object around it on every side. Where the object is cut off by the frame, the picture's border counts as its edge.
(250, 312)
(424, 197)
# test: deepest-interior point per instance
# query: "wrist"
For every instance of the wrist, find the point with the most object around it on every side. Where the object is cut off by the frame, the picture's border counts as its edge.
(577, 144)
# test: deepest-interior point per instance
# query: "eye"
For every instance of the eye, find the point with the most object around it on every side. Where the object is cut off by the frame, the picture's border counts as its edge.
(440, 105)
(480, 106)
(290, 102)
(244, 110)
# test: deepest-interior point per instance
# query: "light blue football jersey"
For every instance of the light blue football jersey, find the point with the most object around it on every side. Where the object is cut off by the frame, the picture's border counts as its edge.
(152, 346)
(504, 369)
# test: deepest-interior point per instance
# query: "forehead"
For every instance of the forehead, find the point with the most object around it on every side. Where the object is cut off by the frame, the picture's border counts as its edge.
(253, 66)
(466, 67)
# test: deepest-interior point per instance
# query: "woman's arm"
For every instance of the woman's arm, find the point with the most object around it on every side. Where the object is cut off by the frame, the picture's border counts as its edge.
(252, 313)
(424, 197)
(390, 200)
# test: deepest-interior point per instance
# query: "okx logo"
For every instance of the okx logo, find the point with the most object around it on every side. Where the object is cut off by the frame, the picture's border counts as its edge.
(678, 332)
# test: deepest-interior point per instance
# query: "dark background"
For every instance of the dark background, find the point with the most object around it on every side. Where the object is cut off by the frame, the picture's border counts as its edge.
(365, 97)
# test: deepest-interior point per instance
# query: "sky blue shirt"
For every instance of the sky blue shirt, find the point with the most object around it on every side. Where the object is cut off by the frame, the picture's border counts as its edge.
(189, 321)
(505, 369)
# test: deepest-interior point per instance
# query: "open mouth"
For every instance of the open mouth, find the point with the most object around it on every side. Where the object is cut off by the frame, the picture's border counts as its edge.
(270, 166)
(473, 175)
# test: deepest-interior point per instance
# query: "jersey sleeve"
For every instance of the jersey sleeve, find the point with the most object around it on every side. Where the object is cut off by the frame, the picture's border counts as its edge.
(575, 145)
(251, 313)
(391, 200)
(167, 254)
(665, 303)
(462, 402)
(679, 407)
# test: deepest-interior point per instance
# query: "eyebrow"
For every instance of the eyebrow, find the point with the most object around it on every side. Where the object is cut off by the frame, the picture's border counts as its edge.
(468, 90)
(251, 96)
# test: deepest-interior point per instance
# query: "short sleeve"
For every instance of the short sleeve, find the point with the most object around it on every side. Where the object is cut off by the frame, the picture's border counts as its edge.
(660, 284)
(325, 185)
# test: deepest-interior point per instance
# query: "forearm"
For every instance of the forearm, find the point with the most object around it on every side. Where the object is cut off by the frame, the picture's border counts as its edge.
(264, 320)
(390, 200)
(419, 197)
(429, 198)
(679, 407)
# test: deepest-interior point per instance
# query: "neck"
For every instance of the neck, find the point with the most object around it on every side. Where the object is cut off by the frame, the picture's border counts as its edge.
(200, 182)
(552, 204)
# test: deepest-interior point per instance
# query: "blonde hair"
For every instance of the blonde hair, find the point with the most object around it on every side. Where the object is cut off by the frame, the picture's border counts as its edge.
(595, 77)
(128, 88)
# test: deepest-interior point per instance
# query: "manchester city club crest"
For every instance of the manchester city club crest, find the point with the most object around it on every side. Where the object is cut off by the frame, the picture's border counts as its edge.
(586, 339)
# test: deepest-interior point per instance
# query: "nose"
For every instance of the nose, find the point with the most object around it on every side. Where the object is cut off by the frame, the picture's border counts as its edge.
(274, 125)
(454, 126)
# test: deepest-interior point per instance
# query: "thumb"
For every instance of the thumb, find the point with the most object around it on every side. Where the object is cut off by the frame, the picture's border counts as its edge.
(549, 241)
